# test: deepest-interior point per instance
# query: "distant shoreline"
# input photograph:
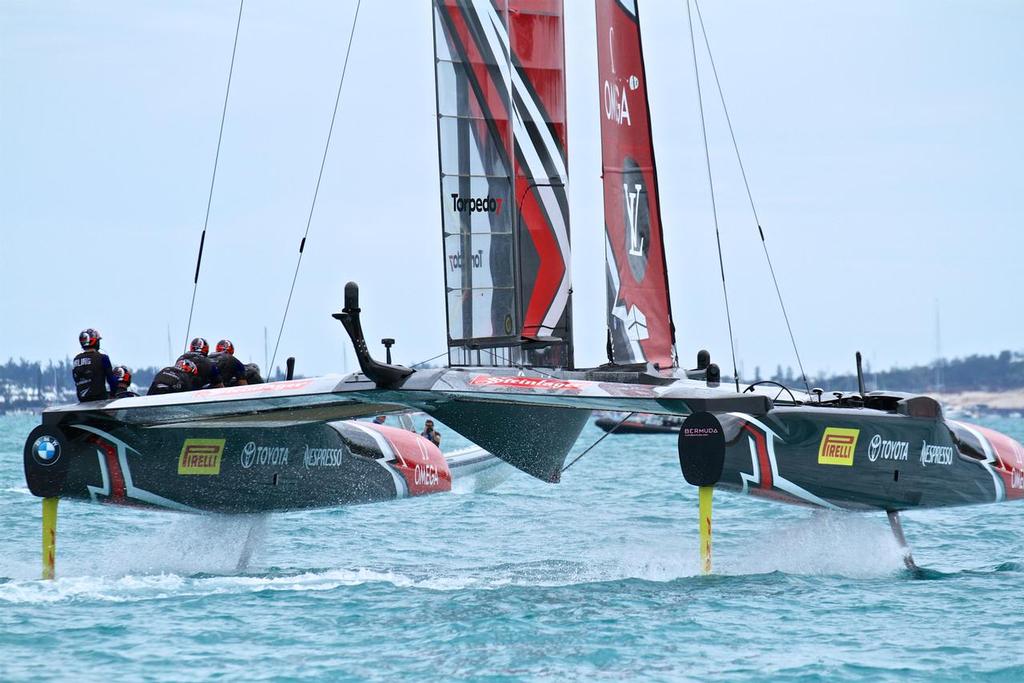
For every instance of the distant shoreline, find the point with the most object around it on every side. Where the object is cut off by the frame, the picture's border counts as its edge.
(989, 402)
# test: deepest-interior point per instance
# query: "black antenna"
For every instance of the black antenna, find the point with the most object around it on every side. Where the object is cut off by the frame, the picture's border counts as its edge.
(383, 375)
(860, 375)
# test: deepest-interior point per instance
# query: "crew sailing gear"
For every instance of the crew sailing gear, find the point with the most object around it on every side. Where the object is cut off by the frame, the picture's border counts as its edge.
(225, 346)
(89, 339)
(199, 345)
(252, 374)
(180, 377)
(124, 382)
(93, 373)
(207, 371)
(123, 375)
(187, 365)
(231, 369)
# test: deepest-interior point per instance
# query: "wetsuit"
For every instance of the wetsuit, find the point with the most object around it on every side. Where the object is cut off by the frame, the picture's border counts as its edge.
(93, 374)
(231, 369)
(172, 380)
(252, 374)
(209, 373)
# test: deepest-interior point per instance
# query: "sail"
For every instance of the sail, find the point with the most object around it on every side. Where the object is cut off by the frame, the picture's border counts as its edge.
(501, 122)
(640, 327)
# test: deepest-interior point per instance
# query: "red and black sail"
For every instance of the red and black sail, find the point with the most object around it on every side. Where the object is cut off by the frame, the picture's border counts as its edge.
(502, 147)
(640, 324)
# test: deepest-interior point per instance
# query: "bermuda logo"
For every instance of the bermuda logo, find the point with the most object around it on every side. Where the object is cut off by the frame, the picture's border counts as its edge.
(887, 450)
(201, 457)
(486, 204)
(837, 446)
(935, 455)
(263, 455)
(46, 450)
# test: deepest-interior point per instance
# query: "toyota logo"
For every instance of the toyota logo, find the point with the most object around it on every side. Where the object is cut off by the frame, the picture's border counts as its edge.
(248, 455)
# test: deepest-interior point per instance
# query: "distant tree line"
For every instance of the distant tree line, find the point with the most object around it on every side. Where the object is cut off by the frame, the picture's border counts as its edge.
(997, 372)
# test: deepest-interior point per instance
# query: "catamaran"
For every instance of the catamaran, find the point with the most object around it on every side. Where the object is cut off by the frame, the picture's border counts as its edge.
(511, 385)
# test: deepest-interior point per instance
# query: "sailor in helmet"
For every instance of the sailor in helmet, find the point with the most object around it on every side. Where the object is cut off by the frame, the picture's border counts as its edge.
(124, 382)
(232, 371)
(182, 376)
(209, 373)
(91, 369)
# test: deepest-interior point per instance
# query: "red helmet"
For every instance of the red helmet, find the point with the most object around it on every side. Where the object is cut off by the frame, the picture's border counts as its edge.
(188, 366)
(225, 346)
(199, 345)
(123, 375)
(89, 339)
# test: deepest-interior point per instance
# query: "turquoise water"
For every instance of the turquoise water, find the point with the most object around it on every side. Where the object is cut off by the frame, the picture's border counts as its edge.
(594, 578)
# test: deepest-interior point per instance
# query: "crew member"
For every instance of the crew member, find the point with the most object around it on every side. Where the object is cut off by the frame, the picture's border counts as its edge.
(252, 374)
(430, 433)
(124, 382)
(91, 369)
(209, 374)
(232, 371)
(182, 376)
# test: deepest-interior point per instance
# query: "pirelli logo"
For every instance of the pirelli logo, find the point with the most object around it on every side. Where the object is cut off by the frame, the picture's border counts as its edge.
(201, 456)
(837, 446)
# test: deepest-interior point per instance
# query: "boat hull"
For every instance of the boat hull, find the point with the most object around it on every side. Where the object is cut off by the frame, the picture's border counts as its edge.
(867, 460)
(233, 468)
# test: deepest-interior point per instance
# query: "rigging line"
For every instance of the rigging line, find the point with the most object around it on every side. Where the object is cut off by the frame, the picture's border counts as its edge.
(429, 359)
(711, 186)
(213, 178)
(603, 437)
(319, 177)
(750, 197)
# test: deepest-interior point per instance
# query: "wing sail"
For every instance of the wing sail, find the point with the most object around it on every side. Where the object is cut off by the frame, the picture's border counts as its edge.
(640, 324)
(502, 138)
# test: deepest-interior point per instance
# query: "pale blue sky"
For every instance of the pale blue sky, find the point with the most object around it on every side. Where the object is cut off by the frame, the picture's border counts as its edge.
(883, 142)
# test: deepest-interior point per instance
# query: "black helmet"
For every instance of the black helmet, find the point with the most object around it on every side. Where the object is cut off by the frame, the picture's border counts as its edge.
(225, 346)
(199, 345)
(123, 375)
(188, 366)
(89, 339)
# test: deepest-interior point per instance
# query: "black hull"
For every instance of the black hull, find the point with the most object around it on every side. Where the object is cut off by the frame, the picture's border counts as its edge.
(241, 468)
(861, 459)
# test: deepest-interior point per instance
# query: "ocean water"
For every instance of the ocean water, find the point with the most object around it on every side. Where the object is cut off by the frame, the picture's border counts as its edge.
(593, 578)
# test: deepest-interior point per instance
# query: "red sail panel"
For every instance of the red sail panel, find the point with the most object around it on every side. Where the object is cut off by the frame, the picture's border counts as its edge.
(640, 324)
(536, 30)
(502, 138)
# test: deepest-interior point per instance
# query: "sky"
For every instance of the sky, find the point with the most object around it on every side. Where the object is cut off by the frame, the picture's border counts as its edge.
(883, 142)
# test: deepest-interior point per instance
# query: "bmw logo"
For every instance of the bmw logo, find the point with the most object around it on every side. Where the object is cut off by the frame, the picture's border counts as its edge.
(46, 450)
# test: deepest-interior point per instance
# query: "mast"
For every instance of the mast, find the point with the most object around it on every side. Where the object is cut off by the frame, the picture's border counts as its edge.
(501, 122)
(640, 327)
